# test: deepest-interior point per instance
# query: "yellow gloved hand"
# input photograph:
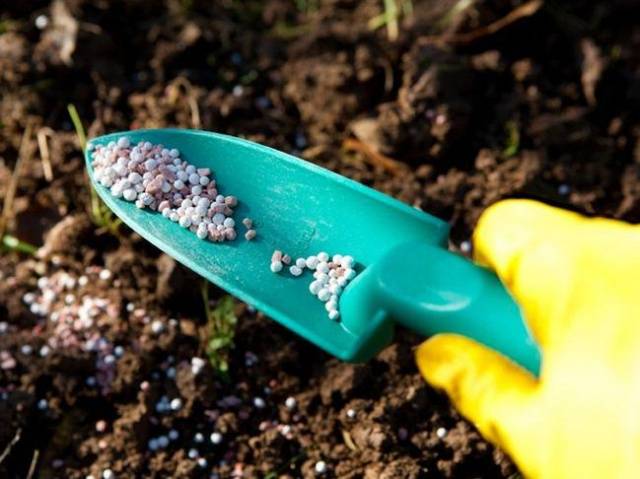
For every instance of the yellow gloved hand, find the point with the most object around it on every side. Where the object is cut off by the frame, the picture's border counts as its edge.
(577, 281)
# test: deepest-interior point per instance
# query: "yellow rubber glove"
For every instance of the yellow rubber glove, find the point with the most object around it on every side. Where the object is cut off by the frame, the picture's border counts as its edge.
(578, 283)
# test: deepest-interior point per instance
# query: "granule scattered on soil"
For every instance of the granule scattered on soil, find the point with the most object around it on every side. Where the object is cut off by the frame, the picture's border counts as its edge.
(450, 129)
(73, 320)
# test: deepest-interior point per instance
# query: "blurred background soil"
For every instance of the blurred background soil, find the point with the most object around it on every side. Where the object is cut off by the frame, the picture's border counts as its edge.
(454, 105)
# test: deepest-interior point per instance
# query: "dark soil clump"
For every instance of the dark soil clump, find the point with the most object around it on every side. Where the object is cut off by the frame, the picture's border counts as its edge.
(545, 108)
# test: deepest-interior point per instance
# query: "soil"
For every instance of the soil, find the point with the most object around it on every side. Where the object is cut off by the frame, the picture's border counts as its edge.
(543, 107)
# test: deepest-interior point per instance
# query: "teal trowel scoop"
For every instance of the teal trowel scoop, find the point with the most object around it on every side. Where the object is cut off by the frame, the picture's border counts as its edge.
(405, 273)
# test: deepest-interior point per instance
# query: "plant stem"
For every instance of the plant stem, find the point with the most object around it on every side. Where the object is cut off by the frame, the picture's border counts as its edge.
(98, 211)
(391, 13)
(14, 244)
(77, 124)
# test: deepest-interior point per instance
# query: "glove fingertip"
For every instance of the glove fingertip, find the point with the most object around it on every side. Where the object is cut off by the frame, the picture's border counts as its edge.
(486, 387)
(498, 220)
(444, 360)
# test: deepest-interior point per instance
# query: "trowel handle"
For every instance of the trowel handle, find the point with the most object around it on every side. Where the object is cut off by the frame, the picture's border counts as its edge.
(432, 290)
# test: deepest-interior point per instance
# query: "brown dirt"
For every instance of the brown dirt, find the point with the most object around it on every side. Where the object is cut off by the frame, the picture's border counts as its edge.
(545, 108)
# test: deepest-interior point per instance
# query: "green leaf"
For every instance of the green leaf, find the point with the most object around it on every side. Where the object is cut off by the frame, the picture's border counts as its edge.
(222, 321)
(219, 343)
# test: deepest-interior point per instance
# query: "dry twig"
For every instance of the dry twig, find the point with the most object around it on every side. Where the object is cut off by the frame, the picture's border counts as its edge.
(191, 100)
(524, 10)
(13, 183)
(373, 157)
(42, 135)
(348, 440)
(34, 463)
(14, 441)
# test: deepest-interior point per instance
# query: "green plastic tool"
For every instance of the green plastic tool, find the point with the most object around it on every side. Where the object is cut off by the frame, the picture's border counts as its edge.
(406, 275)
